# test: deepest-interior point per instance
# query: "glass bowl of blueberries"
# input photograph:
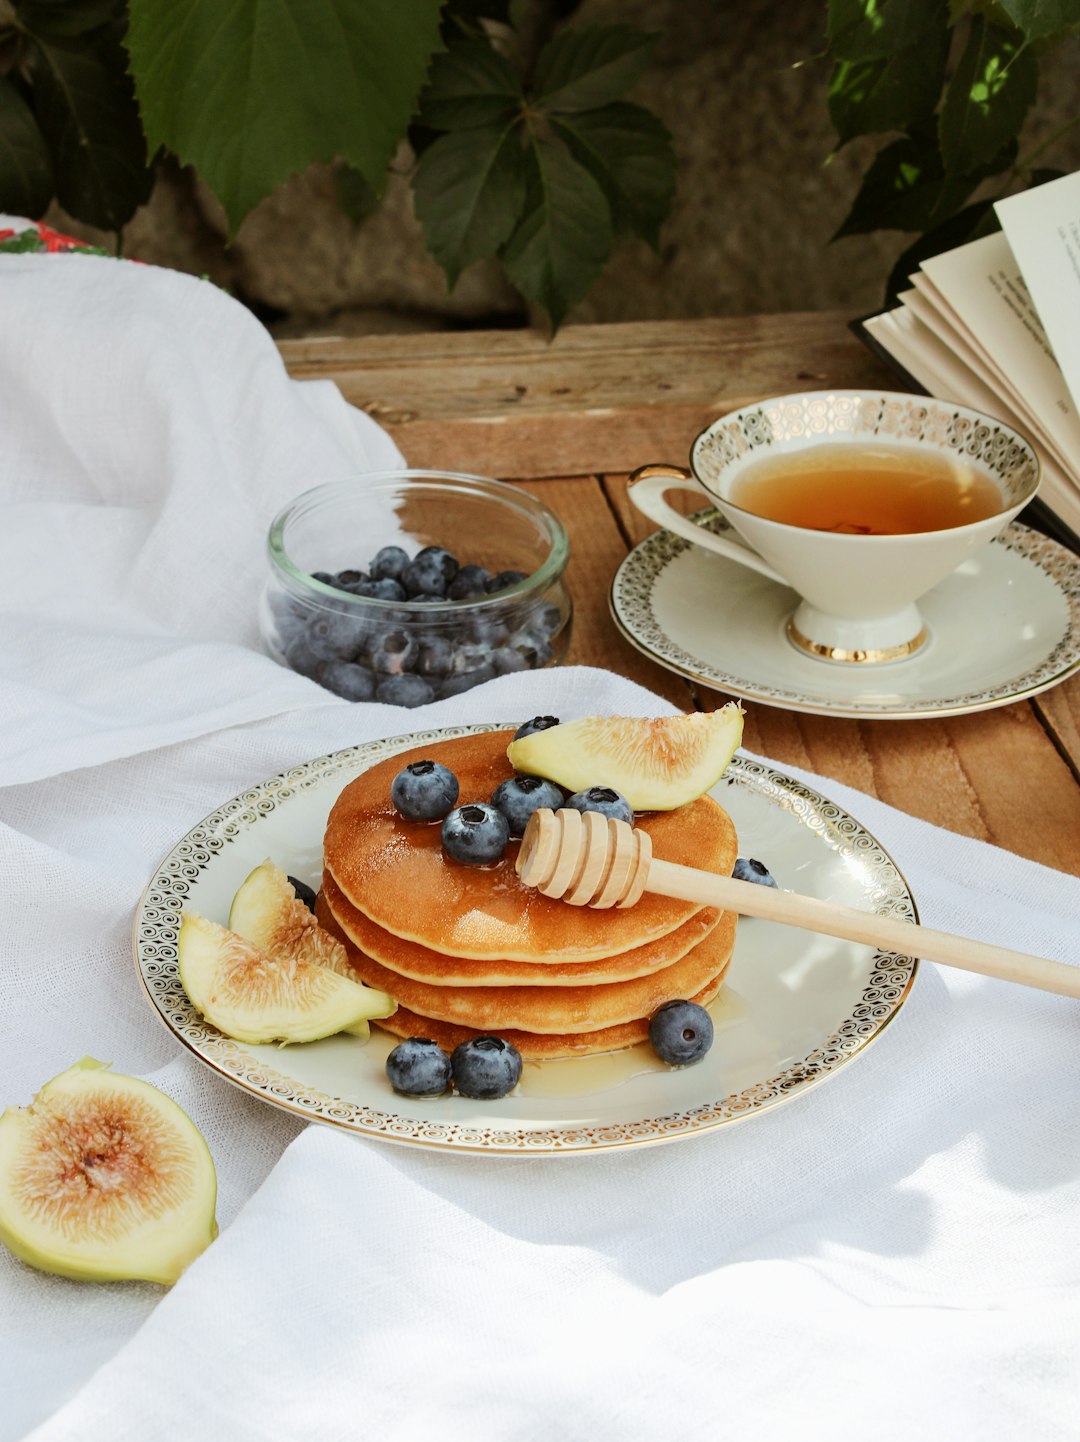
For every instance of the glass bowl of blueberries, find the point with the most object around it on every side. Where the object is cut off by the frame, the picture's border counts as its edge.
(409, 586)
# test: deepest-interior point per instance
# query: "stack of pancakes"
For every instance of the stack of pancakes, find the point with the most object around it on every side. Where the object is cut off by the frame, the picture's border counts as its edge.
(468, 950)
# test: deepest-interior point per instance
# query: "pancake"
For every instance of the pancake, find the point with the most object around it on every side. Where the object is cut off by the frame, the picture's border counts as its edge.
(552, 1009)
(396, 873)
(420, 963)
(532, 1045)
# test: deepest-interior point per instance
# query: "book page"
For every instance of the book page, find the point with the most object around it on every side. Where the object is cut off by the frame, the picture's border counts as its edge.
(982, 283)
(939, 320)
(1043, 230)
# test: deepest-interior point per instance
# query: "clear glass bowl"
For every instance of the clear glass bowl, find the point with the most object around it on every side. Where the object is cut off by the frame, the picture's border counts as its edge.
(409, 652)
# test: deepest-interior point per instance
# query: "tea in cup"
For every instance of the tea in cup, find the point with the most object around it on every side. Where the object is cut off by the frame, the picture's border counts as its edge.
(860, 501)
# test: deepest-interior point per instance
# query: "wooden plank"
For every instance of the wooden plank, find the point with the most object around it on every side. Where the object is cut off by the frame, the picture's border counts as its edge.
(599, 396)
(1059, 711)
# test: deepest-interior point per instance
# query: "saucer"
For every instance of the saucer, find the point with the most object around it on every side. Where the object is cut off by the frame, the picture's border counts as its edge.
(1004, 626)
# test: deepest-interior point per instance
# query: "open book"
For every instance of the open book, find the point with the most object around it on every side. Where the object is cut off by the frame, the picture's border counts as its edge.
(995, 325)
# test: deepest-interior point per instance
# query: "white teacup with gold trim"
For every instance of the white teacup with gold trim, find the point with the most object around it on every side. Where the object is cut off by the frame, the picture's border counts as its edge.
(861, 501)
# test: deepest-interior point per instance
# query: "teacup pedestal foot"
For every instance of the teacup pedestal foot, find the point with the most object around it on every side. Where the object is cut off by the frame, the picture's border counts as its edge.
(857, 642)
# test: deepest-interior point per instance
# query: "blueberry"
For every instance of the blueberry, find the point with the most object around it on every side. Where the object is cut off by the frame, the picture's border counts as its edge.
(298, 658)
(323, 576)
(506, 661)
(418, 1068)
(392, 652)
(747, 869)
(304, 892)
(404, 691)
(519, 796)
(465, 681)
(429, 572)
(546, 619)
(504, 580)
(388, 563)
(424, 791)
(488, 631)
(334, 637)
(475, 834)
(681, 1032)
(346, 580)
(383, 589)
(346, 678)
(435, 656)
(469, 581)
(470, 656)
(604, 799)
(538, 723)
(532, 647)
(485, 1067)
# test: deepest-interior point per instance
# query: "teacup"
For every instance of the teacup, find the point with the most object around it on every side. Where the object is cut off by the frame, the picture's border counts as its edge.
(857, 592)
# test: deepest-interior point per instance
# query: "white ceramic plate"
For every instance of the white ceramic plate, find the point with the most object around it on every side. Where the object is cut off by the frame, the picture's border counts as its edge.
(796, 1007)
(1004, 626)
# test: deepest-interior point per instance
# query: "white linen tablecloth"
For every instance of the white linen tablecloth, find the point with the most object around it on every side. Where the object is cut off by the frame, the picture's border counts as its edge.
(895, 1253)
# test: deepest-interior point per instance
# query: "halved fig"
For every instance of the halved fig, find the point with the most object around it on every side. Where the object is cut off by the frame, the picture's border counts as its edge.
(256, 998)
(657, 763)
(104, 1178)
(267, 912)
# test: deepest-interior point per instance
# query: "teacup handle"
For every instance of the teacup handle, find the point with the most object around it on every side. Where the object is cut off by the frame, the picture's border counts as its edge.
(648, 485)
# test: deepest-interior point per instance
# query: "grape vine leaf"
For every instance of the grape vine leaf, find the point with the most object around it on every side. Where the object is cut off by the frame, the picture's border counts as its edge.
(894, 92)
(559, 248)
(585, 68)
(85, 106)
(65, 19)
(251, 91)
(26, 178)
(629, 152)
(470, 85)
(469, 192)
(1041, 19)
(987, 96)
(908, 188)
(874, 29)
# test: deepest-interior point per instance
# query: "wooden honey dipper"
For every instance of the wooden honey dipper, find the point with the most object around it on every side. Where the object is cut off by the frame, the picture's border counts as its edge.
(592, 860)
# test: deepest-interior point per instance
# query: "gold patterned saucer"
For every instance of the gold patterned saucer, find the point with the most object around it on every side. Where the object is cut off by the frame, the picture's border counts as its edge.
(1005, 625)
(781, 1027)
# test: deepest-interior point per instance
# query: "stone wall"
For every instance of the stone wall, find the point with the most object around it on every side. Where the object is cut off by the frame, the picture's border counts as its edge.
(758, 199)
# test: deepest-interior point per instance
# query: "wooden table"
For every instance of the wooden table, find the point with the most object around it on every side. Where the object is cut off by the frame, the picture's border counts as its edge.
(568, 419)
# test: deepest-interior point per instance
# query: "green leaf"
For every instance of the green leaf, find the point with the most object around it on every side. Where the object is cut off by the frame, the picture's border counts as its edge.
(251, 91)
(893, 93)
(628, 151)
(26, 179)
(469, 192)
(586, 68)
(986, 98)
(85, 106)
(355, 194)
(66, 19)
(971, 223)
(564, 238)
(1040, 19)
(874, 29)
(470, 85)
(907, 188)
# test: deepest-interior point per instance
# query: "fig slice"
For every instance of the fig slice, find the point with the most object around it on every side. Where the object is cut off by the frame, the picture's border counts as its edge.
(657, 763)
(254, 997)
(104, 1178)
(267, 912)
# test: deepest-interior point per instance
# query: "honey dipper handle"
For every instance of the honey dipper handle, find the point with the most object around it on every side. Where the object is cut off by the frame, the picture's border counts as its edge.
(885, 932)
